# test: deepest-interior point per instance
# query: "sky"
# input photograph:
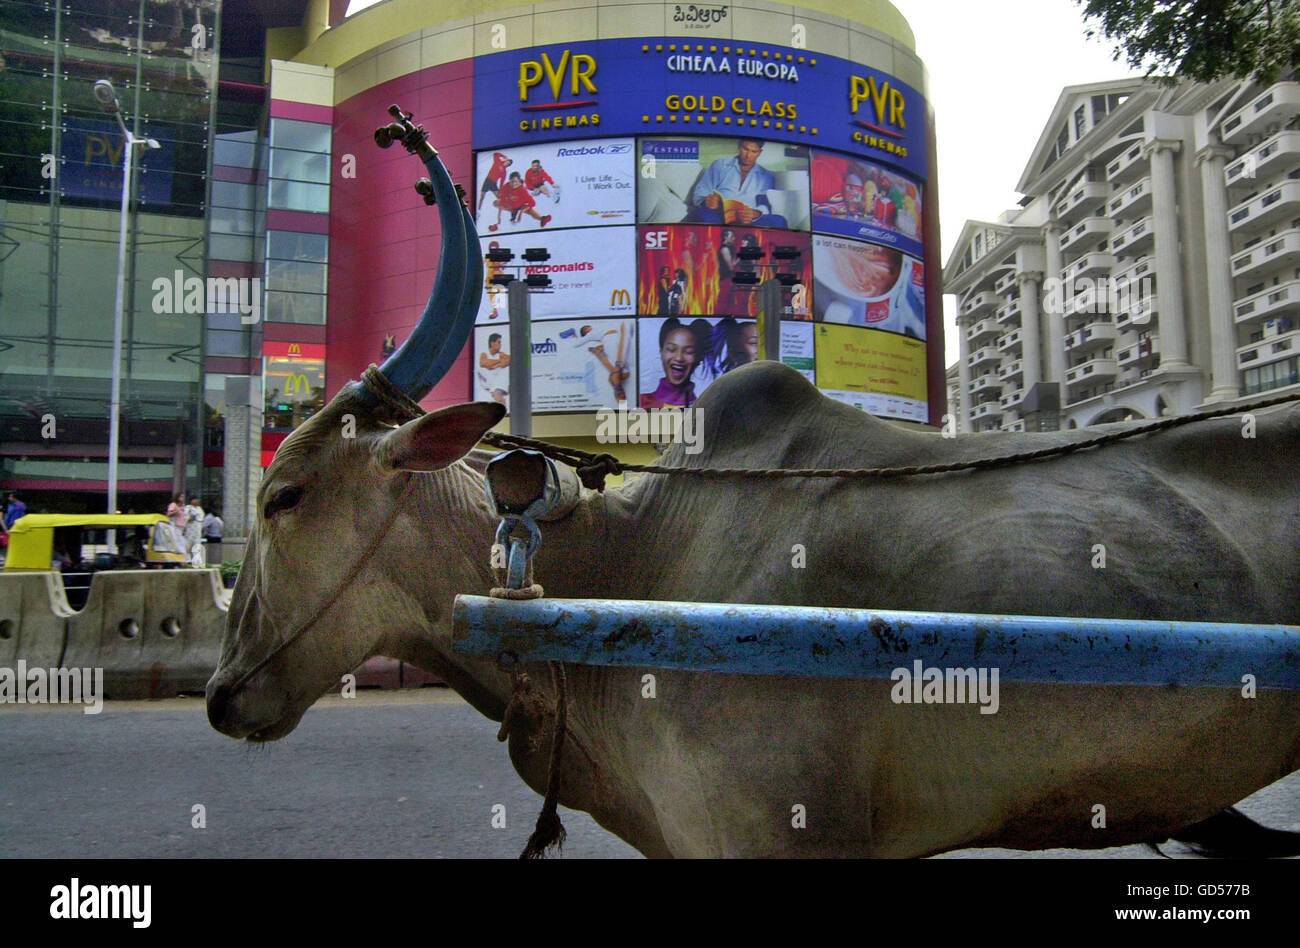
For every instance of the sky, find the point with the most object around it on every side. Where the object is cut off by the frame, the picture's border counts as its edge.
(996, 70)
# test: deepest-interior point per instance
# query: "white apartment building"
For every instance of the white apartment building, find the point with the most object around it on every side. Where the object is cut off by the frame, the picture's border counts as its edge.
(1152, 268)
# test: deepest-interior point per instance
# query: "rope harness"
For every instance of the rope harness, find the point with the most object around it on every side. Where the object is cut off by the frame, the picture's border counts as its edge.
(594, 468)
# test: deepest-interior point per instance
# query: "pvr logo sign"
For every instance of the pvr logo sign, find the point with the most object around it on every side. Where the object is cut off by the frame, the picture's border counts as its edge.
(578, 69)
(102, 146)
(574, 71)
(888, 108)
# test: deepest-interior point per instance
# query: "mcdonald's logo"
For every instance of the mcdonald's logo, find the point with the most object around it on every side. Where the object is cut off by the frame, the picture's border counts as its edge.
(620, 298)
(295, 349)
(297, 384)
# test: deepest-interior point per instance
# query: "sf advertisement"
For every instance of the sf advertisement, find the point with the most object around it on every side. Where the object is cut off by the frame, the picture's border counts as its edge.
(622, 87)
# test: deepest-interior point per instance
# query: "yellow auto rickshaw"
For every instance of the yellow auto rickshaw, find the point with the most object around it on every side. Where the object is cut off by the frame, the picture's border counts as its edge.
(32, 542)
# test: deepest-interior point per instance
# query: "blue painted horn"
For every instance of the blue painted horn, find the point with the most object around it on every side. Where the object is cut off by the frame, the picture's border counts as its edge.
(448, 317)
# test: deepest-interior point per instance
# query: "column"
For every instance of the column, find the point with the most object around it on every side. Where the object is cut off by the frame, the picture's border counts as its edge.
(243, 460)
(1218, 262)
(963, 375)
(1052, 231)
(1169, 273)
(1030, 317)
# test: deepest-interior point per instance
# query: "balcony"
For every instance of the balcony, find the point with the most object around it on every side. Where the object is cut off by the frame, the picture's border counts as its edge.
(1009, 341)
(1007, 312)
(985, 299)
(1139, 269)
(1280, 155)
(985, 327)
(1134, 239)
(1005, 283)
(988, 382)
(1140, 312)
(1016, 427)
(1129, 165)
(1081, 200)
(1276, 104)
(1283, 300)
(1011, 370)
(1269, 350)
(1014, 399)
(1141, 354)
(1280, 251)
(1094, 371)
(986, 410)
(981, 356)
(1131, 201)
(1276, 203)
(1090, 228)
(1091, 336)
(1090, 264)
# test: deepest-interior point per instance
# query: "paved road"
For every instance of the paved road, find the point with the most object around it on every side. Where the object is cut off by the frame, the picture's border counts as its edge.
(411, 774)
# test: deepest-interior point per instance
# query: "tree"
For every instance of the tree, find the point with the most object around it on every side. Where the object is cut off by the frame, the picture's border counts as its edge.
(1201, 40)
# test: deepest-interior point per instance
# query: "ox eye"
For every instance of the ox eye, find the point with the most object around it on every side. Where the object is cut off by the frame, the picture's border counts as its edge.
(286, 498)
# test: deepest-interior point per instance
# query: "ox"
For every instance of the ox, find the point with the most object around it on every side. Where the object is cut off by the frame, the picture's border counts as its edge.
(361, 543)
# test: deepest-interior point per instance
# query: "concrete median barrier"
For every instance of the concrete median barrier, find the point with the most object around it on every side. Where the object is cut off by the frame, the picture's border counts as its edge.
(33, 617)
(154, 632)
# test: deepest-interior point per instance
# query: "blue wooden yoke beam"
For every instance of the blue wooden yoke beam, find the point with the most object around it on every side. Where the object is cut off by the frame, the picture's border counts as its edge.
(862, 643)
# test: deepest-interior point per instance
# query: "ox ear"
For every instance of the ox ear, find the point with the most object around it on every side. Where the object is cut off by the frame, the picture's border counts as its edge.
(439, 439)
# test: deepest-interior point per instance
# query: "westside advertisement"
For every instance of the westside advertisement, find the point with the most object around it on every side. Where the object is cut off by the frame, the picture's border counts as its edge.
(590, 276)
(573, 184)
(577, 365)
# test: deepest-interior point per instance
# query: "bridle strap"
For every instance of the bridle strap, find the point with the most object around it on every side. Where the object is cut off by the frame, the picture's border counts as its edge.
(333, 598)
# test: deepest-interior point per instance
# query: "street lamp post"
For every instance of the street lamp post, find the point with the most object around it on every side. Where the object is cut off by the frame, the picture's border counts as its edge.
(107, 99)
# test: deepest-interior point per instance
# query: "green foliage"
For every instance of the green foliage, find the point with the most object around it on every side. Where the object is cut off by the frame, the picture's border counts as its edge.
(1201, 40)
(230, 568)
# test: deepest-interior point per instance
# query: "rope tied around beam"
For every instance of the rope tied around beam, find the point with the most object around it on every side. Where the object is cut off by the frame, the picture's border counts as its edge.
(594, 468)
(549, 830)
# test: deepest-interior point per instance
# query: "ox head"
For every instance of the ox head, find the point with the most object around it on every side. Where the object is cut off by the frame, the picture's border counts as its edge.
(343, 519)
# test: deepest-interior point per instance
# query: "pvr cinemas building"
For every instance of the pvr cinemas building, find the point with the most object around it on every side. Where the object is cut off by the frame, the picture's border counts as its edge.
(668, 158)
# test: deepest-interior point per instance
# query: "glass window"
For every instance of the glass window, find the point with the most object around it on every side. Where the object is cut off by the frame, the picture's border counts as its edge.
(226, 150)
(304, 136)
(300, 165)
(286, 245)
(294, 390)
(222, 342)
(229, 247)
(300, 196)
(1080, 122)
(233, 194)
(296, 276)
(231, 220)
(282, 307)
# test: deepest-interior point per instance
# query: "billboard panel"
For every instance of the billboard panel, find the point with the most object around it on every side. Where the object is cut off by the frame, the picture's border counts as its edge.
(690, 269)
(879, 372)
(864, 200)
(577, 365)
(680, 358)
(574, 184)
(744, 181)
(590, 275)
(867, 285)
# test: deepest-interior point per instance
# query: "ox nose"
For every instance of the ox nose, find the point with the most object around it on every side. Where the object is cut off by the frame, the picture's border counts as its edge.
(218, 700)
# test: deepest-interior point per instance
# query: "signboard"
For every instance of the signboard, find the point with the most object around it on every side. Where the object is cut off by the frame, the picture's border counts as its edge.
(590, 276)
(92, 163)
(734, 181)
(658, 86)
(574, 184)
(577, 365)
(689, 269)
(866, 285)
(866, 201)
(680, 357)
(879, 372)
